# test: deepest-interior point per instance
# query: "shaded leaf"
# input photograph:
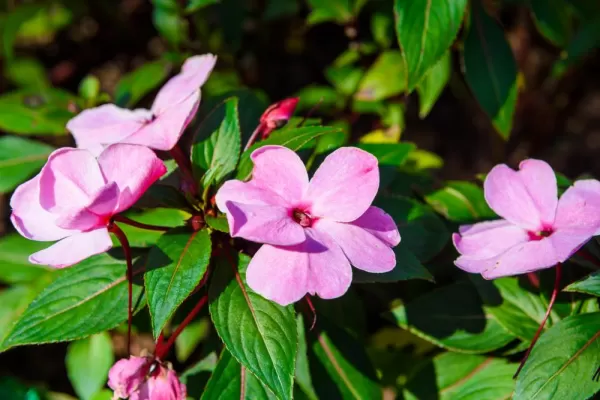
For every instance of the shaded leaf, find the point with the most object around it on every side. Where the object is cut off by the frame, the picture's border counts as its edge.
(138, 83)
(20, 159)
(88, 361)
(431, 86)
(14, 259)
(383, 79)
(553, 20)
(407, 267)
(588, 285)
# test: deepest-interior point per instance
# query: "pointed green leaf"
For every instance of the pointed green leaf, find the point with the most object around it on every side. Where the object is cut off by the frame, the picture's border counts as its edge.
(231, 380)
(431, 86)
(426, 29)
(88, 361)
(216, 148)
(588, 285)
(20, 159)
(460, 201)
(87, 298)
(552, 18)
(563, 361)
(138, 83)
(259, 333)
(175, 266)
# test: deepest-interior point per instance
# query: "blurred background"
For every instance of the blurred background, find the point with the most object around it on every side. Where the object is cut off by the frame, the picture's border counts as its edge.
(343, 60)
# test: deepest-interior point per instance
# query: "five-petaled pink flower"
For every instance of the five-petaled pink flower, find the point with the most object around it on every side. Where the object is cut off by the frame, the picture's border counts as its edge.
(143, 378)
(537, 230)
(311, 231)
(74, 197)
(160, 127)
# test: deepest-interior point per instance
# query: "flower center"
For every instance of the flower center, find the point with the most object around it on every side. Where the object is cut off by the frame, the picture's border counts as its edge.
(302, 218)
(539, 235)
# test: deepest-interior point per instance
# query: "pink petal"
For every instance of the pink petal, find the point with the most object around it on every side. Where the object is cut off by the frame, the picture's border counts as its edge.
(95, 214)
(379, 224)
(194, 73)
(488, 239)
(29, 218)
(127, 375)
(245, 193)
(540, 181)
(579, 209)
(133, 168)
(263, 224)
(280, 171)
(364, 250)
(96, 127)
(73, 249)
(345, 185)
(507, 195)
(286, 274)
(165, 386)
(165, 130)
(69, 180)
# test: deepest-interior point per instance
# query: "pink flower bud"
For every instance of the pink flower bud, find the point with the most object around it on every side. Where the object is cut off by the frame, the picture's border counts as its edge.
(277, 115)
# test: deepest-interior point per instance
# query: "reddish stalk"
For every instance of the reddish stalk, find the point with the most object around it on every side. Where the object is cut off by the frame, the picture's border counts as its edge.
(185, 168)
(312, 309)
(115, 230)
(254, 135)
(141, 225)
(162, 350)
(541, 327)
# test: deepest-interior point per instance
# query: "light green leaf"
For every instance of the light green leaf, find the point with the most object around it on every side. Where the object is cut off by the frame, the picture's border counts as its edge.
(425, 31)
(195, 5)
(27, 72)
(169, 23)
(330, 10)
(460, 201)
(588, 285)
(175, 266)
(431, 86)
(12, 24)
(385, 78)
(88, 362)
(393, 154)
(20, 159)
(190, 337)
(165, 217)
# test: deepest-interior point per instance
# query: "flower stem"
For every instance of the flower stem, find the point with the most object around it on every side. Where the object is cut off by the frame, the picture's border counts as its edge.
(541, 327)
(185, 168)
(141, 225)
(115, 230)
(254, 135)
(163, 349)
(312, 309)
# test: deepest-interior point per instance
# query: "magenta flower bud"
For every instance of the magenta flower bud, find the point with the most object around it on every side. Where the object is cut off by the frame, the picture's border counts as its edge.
(277, 115)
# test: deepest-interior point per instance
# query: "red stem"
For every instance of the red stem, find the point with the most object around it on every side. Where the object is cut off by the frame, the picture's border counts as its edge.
(185, 168)
(162, 350)
(254, 135)
(312, 309)
(115, 230)
(141, 225)
(541, 327)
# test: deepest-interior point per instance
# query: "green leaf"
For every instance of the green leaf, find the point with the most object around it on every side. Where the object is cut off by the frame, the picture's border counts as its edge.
(425, 31)
(89, 87)
(303, 378)
(390, 153)
(217, 223)
(325, 96)
(87, 298)
(385, 78)
(344, 78)
(407, 267)
(431, 86)
(490, 69)
(460, 201)
(195, 5)
(88, 362)
(585, 40)
(231, 380)
(196, 377)
(175, 266)
(552, 18)
(520, 312)
(462, 376)
(588, 285)
(422, 231)
(20, 159)
(190, 337)
(293, 139)
(259, 333)
(171, 26)
(138, 83)
(27, 72)
(216, 148)
(341, 368)
(36, 112)
(12, 23)
(452, 317)
(166, 217)
(563, 361)
(330, 10)
(14, 259)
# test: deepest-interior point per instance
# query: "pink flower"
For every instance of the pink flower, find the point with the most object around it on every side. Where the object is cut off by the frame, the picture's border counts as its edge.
(74, 197)
(311, 231)
(144, 378)
(160, 127)
(277, 115)
(537, 230)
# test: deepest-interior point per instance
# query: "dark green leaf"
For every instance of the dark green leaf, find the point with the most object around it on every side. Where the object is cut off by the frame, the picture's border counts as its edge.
(393, 154)
(452, 317)
(452, 376)
(276, 9)
(175, 266)
(588, 285)
(425, 31)
(385, 78)
(138, 83)
(303, 378)
(553, 20)
(14, 259)
(216, 148)
(431, 86)
(20, 159)
(88, 361)
(585, 40)
(460, 201)
(87, 298)
(344, 78)
(491, 69)
(171, 26)
(12, 23)
(196, 377)
(407, 267)
(36, 112)
(259, 333)
(195, 5)
(292, 139)
(562, 363)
